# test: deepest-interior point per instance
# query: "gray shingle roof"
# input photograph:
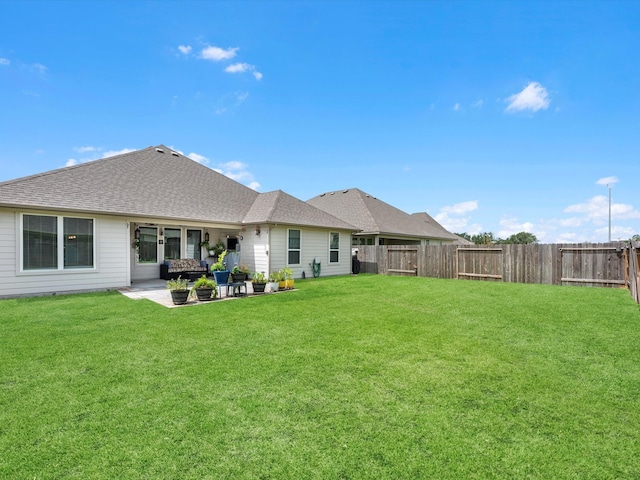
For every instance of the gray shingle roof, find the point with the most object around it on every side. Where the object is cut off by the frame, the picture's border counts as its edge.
(374, 216)
(157, 182)
(280, 207)
(151, 182)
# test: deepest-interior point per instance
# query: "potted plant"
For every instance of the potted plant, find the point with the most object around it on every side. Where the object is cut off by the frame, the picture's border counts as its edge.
(259, 282)
(281, 284)
(239, 273)
(205, 289)
(288, 278)
(179, 289)
(217, 249)
(220, 265)
(274, 278)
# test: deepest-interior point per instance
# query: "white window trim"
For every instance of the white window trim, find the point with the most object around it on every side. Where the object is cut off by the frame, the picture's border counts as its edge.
(60, 234)
(299, 250)
(334, 249)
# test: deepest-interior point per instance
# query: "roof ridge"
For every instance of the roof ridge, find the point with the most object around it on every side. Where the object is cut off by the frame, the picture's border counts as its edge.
(69, 167)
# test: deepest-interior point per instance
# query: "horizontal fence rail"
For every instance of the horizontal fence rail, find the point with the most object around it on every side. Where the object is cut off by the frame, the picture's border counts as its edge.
(614, 264)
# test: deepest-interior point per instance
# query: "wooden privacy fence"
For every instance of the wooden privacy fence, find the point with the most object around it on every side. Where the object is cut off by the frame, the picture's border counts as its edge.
(614, 264)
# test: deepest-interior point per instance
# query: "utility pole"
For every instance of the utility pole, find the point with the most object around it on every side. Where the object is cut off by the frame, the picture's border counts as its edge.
(609, 186)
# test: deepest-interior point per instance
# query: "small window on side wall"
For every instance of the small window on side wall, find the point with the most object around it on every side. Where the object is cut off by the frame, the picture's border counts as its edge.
(334, 247)
(293, 247)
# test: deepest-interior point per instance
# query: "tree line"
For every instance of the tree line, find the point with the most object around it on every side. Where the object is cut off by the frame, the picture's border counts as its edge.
(488, 238)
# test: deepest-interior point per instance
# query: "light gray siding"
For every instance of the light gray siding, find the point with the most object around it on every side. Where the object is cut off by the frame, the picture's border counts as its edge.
(111, 259)
(314, 243)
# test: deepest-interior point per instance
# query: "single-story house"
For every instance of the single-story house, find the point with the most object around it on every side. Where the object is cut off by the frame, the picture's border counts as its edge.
(109, 223)
(380, 223)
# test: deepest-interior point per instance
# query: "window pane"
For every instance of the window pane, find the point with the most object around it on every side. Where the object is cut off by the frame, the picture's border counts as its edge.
(294, 257)
(40, 242)
(171, 243)
(333, 256)
(78, 242)
(294, 239)
(335, 241)
(148, 245)
(193, 244)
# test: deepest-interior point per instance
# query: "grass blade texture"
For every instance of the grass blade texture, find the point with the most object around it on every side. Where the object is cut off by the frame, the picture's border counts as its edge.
(346, 378)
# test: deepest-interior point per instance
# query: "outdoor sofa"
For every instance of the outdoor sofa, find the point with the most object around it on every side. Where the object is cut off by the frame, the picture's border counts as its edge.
(190, 268)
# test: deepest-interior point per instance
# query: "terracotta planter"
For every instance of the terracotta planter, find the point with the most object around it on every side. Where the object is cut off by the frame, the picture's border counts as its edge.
(179, 297)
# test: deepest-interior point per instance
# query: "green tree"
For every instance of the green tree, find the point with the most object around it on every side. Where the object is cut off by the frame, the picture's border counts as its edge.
(635, 238)
(485, 238)
(521, 238)
(465, 235)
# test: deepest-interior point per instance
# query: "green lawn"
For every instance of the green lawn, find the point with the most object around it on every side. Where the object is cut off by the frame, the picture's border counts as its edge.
(366, 377)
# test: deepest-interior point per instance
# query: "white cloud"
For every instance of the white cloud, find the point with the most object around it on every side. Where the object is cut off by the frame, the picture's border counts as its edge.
(198, 158)
(533, 97)
(71, 162)
(5, 61)
(111, 153)
(607, 181)
(39, 68)
(571, 222)
(511, 226)
(244, 67)
(454, 217)
(230, 100)
(596, 210)
(478, 103)
(217, 54)
(456, 107)
(185, 49)
(461, 208)
(239, 172)
(85, 149)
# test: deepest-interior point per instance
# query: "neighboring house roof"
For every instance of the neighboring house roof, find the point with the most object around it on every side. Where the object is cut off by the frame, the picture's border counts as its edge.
(433, 228)
(158, 182)
(376, 217)
(462, 241)
(280, 207)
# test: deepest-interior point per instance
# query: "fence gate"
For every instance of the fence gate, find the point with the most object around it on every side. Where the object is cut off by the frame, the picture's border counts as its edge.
(483, 263)
(402, 260)
(594, 266)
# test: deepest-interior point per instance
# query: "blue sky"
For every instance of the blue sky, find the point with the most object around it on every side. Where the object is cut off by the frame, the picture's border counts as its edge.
(491, 116)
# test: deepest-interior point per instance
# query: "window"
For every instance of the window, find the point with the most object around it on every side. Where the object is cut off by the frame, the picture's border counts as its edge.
(293, 250)
(148, 251)
(53, 243)
(78, 243)
(39, 242)
(172, 243)
(334, 247)
(193, 244)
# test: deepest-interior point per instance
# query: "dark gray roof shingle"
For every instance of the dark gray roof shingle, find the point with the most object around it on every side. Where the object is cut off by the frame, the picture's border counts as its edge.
(280, 207)
(151, 182)
(157, 182)
(377, 217)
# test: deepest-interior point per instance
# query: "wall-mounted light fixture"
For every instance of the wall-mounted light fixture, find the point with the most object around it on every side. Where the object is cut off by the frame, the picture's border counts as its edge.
(258, 230)
(240, 237)
(136, 233)
(206, 237)
(161, 231)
